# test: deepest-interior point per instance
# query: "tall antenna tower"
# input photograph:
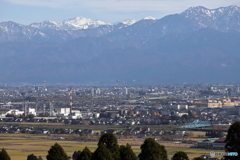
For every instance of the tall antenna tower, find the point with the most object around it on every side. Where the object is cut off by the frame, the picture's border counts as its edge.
(70, 100)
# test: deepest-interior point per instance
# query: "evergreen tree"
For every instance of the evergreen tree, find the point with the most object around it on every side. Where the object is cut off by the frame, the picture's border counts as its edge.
(102, 153)
(56, 152)
(4, 155)
(32, 157)
(111, 143)
(215, 134)
(212, 133)
(126, 153)
(180, 155)
(220, 133)
(86, 154)
(76, 154)
(233, 141)
(206, 134)
(151, 150)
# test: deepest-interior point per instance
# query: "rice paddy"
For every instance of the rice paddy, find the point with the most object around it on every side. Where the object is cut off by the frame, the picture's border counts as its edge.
(19, 146)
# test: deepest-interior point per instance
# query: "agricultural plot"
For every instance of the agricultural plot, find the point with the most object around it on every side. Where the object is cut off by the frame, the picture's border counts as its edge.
(19, 146)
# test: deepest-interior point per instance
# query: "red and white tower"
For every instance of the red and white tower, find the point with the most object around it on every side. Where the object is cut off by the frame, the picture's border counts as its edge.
(70, 101)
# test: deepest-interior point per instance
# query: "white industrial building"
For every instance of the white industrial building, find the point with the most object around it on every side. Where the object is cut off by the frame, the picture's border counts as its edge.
(32, 111)
(76, 114)
(15, 112)
(65, 113)
(178, 106)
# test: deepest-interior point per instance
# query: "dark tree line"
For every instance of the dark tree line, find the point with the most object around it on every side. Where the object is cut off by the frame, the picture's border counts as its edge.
(108, 149)
(214, 133)
(33, 157)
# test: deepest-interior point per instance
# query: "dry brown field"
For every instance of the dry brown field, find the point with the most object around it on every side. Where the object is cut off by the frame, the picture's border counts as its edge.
(19, 146)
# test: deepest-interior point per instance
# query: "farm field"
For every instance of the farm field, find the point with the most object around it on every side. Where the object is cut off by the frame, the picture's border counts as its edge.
(104, 127)
(19, 146)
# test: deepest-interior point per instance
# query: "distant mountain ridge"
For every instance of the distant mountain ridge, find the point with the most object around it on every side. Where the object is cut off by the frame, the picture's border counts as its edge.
(224, 19)
(50, 31)
(197, 45)
(71, 24)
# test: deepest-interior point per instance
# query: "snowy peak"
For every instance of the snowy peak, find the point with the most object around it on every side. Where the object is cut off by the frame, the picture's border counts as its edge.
(84, 23)
(231, 10)
(225, 19)
(195, 11)
(45, 25)
(200, 11)
(71, 24)
(234, 7)
(10, 24)
(149, 18)
(11, 27)
(128, 22)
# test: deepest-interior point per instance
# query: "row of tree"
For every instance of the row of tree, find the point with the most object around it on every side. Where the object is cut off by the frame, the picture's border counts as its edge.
(108, 149)
(214, 133)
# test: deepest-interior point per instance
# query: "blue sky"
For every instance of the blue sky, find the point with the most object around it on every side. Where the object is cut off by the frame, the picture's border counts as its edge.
(30, 11)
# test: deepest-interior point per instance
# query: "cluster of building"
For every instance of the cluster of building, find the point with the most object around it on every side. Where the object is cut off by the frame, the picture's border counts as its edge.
(211, 143)
(121, 105)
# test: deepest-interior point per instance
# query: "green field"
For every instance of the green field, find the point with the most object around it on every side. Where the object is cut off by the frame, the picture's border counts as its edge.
(19, 146)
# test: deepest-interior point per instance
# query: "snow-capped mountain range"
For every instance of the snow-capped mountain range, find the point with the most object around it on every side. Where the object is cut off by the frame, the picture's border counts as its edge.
(197, 45)
(222, 19)
(71, 24)
(225, 19)
(211, 14)
(51, 31)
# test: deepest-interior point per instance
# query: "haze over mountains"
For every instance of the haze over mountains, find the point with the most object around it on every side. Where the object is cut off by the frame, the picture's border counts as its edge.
(197, 45)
